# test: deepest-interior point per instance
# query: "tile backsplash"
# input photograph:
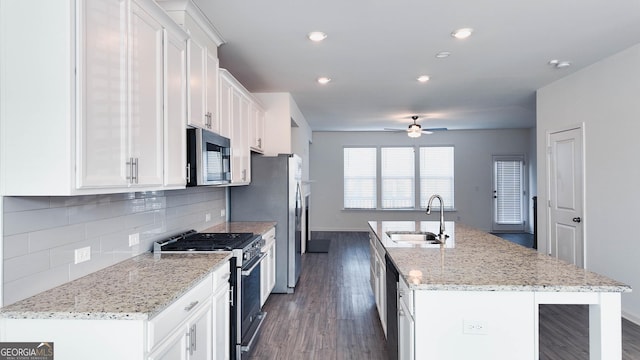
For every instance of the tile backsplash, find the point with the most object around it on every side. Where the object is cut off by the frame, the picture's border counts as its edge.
(42, 233)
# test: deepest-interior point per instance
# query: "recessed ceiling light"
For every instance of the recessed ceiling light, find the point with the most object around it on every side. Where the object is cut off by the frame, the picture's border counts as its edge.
(443, 54)
(462, 33)
(316, 36)
(559, 64)
(323, 80)
(423, 78)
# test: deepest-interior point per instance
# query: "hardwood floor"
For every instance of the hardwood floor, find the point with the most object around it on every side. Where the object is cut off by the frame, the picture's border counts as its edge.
(332, 314)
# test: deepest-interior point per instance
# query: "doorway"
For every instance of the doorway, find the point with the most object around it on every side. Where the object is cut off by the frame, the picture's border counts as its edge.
(508, 193)
(565, 159)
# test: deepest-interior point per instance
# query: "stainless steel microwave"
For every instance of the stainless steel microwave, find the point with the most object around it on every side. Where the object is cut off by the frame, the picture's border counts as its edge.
(208, 158)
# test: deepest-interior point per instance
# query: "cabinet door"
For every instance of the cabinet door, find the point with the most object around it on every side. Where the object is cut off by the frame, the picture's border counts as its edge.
(146, 98)
(238, 137)
(102, 136)
(201, 336)
(224, 107)
(175, 111)
(221, 323)
(256, 126)
(212, 93)
(197, 81)
(405, 332)
(174, 349)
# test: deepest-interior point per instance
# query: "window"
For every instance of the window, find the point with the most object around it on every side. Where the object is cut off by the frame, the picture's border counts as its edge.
(508, 191)
(436, 174)
(360, 178)
(397, 177)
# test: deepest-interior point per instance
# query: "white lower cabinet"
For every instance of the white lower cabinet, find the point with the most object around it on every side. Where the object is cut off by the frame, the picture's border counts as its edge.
(268, 266)
(406, 323)
(379, 278)
(191, 341)
(194, 327)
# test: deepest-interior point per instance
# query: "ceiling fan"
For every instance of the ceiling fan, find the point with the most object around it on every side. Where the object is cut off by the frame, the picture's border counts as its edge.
(415, 130)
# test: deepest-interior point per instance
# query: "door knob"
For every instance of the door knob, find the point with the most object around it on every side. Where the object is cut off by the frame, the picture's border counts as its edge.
(576, 219)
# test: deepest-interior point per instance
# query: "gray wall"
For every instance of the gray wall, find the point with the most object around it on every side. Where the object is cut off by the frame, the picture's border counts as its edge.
(603, 97)
(40, 234)
(473, 175)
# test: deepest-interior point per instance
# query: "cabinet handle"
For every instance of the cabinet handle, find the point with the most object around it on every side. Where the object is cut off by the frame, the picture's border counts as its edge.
(135, 164)
(188, 172)
(260, 143)
(130, 170)
(231, 296)
(244, 174)
(191, 306)
(195, 337)
(400, 312)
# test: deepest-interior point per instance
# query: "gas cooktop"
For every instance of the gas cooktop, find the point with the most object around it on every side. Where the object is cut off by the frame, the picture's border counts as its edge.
(193, 241)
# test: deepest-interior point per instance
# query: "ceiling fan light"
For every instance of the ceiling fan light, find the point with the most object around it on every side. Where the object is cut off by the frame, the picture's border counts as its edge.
(414, 134)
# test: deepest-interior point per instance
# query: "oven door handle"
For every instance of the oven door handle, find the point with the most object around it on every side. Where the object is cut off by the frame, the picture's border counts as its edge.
(248, 271)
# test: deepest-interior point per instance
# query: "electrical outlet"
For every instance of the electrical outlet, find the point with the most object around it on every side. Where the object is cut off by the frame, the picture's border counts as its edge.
(207, 217)
(82, 254)
(475, 327)
(223, 212)
(134, 239)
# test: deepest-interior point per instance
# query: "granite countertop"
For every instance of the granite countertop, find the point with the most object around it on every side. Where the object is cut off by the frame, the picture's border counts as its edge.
(255, 227)
(483, 262)
(135, 289)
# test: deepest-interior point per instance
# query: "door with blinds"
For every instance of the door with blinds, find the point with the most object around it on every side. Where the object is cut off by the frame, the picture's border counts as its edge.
(508, 193)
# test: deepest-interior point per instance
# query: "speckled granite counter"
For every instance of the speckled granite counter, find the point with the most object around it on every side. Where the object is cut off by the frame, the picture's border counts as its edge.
(484, 262)
(256, 227)
(136, 289)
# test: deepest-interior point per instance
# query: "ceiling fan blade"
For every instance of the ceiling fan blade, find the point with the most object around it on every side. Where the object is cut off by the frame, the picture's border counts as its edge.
(435, 129)
(396, 130)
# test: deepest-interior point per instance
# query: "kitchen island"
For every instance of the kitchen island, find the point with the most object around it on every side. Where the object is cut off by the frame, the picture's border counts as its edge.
(479, 296)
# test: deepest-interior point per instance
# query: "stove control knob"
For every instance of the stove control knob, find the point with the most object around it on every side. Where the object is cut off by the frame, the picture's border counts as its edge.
(245, 256)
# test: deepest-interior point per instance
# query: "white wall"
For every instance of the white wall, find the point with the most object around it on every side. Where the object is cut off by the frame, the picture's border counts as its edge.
(473, 175)
(606, 98)
(40, 234)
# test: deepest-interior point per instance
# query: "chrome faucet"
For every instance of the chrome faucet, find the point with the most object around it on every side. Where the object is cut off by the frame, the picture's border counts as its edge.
(441, 212)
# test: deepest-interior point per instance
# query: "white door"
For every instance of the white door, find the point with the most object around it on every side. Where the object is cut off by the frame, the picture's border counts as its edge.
(508, 193)
(565, 159)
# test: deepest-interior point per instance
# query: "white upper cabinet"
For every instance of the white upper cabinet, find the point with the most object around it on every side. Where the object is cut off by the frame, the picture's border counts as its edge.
(256, 127)
(175, 141)
(235, 105)
(94, 114)
(202, 69)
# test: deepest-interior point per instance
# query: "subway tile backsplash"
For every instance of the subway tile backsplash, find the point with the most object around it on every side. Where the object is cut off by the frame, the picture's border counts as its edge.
(42, 233)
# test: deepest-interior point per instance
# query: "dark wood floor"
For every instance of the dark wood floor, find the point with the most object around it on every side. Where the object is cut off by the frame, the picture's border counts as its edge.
(332, 314)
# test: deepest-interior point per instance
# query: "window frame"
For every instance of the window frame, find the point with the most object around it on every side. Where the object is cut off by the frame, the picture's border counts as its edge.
(416, 178)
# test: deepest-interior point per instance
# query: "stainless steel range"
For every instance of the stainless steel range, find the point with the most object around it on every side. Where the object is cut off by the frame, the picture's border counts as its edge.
(246, 317)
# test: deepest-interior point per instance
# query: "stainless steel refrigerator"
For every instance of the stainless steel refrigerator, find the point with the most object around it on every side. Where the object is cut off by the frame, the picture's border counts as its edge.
(275, 195)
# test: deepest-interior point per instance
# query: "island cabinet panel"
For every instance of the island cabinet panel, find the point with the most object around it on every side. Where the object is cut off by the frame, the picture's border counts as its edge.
(474, 324)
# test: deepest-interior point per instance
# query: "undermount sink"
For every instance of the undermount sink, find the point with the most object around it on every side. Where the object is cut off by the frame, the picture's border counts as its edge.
(414, 237)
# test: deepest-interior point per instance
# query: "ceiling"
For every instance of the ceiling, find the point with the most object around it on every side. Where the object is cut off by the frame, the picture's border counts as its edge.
(376, 49)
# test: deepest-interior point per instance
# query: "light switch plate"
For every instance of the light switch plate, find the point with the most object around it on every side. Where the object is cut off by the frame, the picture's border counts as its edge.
(207, 217)
(82, 254)
(475, 327)
(134, 239)
(223, 212)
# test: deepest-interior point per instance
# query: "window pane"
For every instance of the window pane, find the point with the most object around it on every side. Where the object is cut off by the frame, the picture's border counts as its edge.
(398, 178)
(436, 175)
(360, 178)
(509, 197)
